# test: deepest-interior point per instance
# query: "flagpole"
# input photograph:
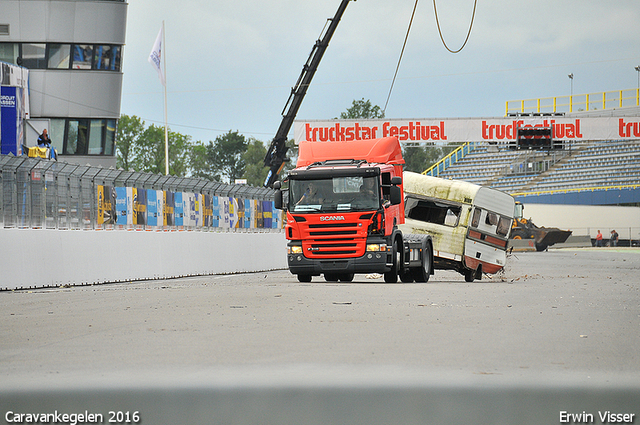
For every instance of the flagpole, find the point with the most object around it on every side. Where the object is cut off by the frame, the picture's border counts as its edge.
(166, 131)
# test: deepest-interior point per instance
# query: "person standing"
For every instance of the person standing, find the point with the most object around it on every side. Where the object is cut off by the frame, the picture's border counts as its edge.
(599, 239)
(614, 238)
(44, 141)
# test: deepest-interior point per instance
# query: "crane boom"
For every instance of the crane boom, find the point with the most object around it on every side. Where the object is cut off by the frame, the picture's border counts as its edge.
(276, 154)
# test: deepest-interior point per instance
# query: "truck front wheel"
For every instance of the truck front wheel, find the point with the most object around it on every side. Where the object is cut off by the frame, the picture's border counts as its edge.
(304, 278)
(392, 275)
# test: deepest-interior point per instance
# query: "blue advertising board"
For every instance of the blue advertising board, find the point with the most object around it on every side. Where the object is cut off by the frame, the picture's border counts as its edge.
(11, 120)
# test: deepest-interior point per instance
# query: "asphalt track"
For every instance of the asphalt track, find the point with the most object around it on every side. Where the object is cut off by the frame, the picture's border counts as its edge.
(561, 315)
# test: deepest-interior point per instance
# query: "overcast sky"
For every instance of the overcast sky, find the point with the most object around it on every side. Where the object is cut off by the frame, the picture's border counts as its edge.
(231, 64)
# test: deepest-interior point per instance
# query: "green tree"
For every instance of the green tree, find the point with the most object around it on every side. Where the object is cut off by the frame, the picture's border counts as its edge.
(255, 172)
(226, 155)
(416, 157)
(362, 109)
(199, 163)
(148, 152)
(129, 131)
(420, 157)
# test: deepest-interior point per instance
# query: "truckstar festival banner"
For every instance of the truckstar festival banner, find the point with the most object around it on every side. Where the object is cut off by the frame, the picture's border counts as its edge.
(463, 130)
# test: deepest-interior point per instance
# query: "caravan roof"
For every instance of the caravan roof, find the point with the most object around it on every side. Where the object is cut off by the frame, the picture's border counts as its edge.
(459, 191)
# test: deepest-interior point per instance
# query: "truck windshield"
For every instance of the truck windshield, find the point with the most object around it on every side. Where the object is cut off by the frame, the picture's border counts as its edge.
(353, 193)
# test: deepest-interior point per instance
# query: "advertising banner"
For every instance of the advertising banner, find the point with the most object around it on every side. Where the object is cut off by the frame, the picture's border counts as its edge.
(207, 211)
(11, 121)
(266, 213)
(225, 216)
(239, 206)
(124, 208)
(169, 209)
(215, 207)
(178, 209)
(152, 209)
(469, 129)
(247, 213)
(107, 213)
(139, 208)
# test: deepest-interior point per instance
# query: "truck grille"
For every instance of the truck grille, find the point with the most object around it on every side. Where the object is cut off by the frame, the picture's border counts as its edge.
(334, 239)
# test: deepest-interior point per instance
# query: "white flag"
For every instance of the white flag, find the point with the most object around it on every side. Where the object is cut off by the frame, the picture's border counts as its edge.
(155, 56)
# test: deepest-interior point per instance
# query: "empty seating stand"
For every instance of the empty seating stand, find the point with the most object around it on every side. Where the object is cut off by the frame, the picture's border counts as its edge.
(592, 165)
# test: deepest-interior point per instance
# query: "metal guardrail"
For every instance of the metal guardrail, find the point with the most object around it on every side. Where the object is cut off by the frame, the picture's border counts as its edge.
(43, 194)
(574, 190)
(576, 103)
(436, 169)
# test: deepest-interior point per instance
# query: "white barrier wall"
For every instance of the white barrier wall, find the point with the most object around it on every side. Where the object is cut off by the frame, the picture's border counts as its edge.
(44, 258)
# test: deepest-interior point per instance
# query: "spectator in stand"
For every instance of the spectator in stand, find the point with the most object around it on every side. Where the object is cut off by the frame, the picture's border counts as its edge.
(599, 239)
(614, 238)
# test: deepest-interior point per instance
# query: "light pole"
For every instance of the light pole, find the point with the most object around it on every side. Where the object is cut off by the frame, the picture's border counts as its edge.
(571, 97)
(571, 78)
(637, 68)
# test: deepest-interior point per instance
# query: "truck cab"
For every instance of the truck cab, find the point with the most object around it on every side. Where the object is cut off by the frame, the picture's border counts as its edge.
(344, 205)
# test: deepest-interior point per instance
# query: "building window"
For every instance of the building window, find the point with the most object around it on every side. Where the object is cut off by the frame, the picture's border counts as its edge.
(9, 52)
(59, 55)
(110, 137)
(82, 56)
(56, 133)
(83, 136)
(96, 137)
(33, 55)
(76, 137)
(107, 57)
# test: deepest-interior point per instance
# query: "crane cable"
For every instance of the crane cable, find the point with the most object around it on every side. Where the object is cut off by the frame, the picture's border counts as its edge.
(473, 15)
(400, 58)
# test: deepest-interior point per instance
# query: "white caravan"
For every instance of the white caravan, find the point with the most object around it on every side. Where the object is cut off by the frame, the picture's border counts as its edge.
(469, 224)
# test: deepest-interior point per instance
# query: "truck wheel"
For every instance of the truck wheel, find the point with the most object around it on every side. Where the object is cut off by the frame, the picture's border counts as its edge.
(469, 275)
(346, 277)
(392, 275)
(407, 276)
(331, 277)
(304, 278)
(423, 273)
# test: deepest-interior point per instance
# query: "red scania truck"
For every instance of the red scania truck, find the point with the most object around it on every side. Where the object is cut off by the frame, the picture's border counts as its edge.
(344, 204)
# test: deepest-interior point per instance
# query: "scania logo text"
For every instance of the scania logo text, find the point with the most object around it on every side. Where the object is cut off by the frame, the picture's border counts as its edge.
(332, 218)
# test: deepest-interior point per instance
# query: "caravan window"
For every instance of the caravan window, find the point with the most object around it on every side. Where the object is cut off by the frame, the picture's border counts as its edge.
(503, 226)
(475, 221)
(492, 219)
(431, 211)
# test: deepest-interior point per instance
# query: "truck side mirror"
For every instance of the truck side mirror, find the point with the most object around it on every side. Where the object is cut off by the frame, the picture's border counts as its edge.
(396, 180)
(277, 201)
(395, 195)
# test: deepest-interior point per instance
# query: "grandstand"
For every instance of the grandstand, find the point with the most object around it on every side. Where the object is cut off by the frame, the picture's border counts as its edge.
(586, 166)
(588, 172)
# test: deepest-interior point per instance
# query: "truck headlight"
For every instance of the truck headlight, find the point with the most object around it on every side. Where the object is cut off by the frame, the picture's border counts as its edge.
(296, 249)
(376, 247)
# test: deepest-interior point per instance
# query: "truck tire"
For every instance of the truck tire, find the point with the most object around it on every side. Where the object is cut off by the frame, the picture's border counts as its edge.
(304, 278)
(331, 277)
(392, 275)
(407, 276)
(421, 274)
(469, 275)
(346, 277)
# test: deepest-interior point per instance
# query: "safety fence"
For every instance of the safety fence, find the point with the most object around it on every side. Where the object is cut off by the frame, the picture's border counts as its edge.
(438, 168)
(575, 103)
(43, 194)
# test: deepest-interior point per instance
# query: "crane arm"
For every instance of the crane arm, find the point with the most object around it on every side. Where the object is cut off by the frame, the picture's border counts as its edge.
(277, 153)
